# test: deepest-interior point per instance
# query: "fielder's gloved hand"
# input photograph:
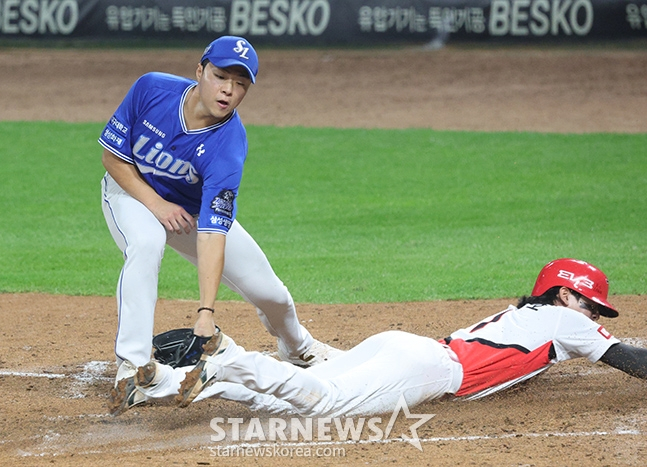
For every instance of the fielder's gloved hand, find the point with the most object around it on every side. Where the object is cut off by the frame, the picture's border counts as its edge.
(178, 347)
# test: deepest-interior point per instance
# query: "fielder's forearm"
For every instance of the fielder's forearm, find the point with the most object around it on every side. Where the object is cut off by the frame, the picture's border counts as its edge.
(211, 261)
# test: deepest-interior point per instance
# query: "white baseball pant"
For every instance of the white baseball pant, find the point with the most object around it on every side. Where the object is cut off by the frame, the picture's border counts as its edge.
(142, 239)
(368, 379)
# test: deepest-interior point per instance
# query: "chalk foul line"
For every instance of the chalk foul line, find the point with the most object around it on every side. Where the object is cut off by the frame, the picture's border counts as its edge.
(440, 439)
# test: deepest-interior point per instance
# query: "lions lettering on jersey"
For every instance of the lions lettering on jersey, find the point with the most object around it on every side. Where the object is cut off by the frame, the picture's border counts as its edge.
(163, 163)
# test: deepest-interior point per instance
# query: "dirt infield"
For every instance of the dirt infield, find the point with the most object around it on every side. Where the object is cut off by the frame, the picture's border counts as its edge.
(56, 355)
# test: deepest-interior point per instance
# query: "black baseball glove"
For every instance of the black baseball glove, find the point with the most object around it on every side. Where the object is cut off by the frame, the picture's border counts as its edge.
(178, 347)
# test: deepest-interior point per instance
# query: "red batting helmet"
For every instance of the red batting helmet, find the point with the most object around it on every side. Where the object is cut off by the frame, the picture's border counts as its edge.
(577, 275)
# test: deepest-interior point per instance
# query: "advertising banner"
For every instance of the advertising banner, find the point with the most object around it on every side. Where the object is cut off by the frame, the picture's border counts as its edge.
(325, 22)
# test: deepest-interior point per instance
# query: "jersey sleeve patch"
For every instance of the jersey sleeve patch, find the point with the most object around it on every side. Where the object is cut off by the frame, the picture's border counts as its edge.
(115, 132)
(223, 204)
(218, 223)
(604, 333)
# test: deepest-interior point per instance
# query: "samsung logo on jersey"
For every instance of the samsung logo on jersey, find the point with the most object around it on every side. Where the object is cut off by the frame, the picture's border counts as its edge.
(152, 128)
(162, 163)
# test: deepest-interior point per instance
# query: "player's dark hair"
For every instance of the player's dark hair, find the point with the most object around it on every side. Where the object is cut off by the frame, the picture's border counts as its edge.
(547, 298)
(204, 62)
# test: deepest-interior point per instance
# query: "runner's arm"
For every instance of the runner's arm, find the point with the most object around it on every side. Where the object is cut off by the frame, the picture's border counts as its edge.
(631, 360)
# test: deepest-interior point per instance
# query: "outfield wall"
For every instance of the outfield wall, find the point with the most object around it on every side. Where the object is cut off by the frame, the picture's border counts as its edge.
(324, 22)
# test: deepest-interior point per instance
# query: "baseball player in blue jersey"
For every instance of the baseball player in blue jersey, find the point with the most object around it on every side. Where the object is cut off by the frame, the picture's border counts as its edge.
(174, 152)
(557, 322)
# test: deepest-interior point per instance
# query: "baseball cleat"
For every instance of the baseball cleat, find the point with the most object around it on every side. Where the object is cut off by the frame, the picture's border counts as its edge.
(146, 375)
(204, 371)
(124, 396)
(316, 354)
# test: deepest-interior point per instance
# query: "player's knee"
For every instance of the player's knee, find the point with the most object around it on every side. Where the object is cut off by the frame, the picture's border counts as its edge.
(277, 297)
(146, 245)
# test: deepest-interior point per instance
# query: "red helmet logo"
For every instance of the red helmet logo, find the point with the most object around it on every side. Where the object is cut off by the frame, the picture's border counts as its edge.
(577, 281)
(579, 276)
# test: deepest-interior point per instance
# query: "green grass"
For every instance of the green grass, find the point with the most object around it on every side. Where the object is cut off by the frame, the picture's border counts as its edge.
(350, 216)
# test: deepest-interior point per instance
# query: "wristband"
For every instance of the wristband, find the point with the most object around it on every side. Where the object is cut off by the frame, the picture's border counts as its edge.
(206, 308)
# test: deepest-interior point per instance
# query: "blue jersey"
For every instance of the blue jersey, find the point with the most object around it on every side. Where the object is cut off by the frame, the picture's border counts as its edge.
(199, 169)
